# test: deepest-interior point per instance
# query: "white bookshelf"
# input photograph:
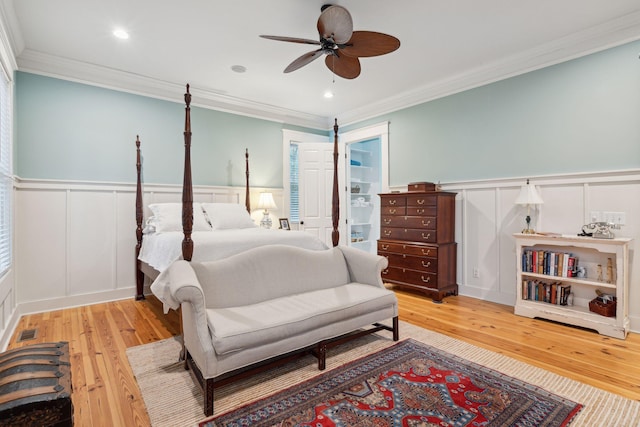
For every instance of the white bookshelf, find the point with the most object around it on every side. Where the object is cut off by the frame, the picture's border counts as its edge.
(593, 255)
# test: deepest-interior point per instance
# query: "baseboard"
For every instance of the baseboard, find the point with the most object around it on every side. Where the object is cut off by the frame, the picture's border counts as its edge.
(76, 301)
(7, 333)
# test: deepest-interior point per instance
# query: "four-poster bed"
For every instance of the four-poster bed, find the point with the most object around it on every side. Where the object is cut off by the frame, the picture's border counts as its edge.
(220, 243)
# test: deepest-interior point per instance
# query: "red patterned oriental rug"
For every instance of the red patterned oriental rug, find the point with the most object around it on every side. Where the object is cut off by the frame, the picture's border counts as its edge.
(409, 384)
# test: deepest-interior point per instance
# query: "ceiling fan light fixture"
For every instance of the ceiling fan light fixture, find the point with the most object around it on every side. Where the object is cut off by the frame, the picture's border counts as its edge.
(340, 45)
(121, 34)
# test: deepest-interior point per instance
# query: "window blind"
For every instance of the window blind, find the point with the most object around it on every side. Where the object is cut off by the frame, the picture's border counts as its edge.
(6, 181)
(294, 205)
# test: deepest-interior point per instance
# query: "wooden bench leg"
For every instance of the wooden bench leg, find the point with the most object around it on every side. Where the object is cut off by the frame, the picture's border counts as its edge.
(396, 329)
(208, 397)
(322, 355)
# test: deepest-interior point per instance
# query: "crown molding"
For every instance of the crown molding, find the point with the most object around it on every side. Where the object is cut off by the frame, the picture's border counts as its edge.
(609, 34)
(9, 43)
(604, 36)
(109, 78)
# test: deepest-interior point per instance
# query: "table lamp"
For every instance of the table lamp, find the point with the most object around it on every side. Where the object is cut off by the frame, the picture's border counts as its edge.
(528, 196)
(266, 202)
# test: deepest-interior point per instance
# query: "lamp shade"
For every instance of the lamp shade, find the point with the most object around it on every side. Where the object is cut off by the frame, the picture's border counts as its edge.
(529, 195)
(266, 201)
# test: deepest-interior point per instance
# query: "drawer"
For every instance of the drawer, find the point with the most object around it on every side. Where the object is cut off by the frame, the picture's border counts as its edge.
(429, 265)
(402, 248)
(421, 211)
(393, 210)
(410, 234)
(393, 201)
(404, 275)
(409, 222)
(422, 200)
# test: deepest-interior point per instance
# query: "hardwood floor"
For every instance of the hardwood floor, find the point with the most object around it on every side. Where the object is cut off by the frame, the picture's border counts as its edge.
(106, 394)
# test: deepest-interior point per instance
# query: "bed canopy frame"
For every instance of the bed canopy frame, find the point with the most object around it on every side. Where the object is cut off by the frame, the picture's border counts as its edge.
(187, 196)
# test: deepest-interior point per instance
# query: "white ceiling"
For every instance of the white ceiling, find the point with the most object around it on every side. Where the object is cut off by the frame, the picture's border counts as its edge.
(446, 46)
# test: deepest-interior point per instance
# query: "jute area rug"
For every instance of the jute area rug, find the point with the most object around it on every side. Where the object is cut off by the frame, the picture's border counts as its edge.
(173, 399)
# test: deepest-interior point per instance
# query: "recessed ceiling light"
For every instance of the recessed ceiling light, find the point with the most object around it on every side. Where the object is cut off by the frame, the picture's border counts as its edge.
(239, 68)
(120, 33)
(328, 94)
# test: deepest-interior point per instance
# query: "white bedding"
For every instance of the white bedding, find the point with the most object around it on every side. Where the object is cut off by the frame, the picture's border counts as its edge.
(160, 250)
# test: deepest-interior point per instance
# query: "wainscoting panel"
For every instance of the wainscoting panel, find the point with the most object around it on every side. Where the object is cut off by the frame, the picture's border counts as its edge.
(125, 229)
(92, 235)
(75, 241)
(40, 255)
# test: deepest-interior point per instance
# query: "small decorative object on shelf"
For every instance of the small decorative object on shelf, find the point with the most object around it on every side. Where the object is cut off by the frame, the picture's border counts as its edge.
(603, 304)
(610, 278)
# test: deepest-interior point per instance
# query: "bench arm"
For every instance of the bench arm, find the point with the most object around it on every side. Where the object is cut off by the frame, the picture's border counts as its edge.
(185, 288)
(364, 267)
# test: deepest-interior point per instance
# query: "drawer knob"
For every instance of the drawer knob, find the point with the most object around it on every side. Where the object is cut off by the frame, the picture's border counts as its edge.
(387, 233)
(420, 211)
(427, 236)
(385, 247)
(385, 271)
(427, 265)
(392, 202)
(392, 211)
(426, 223)
(427, 252)
(425, 281)
(420, 201)
(387, 221)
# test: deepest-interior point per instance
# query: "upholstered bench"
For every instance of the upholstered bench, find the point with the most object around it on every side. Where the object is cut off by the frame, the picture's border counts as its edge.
(273, 301)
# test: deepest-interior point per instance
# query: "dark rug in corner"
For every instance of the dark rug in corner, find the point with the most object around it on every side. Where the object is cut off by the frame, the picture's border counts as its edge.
(408, 384)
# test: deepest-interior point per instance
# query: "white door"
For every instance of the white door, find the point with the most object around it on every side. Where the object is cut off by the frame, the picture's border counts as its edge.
(315, 167)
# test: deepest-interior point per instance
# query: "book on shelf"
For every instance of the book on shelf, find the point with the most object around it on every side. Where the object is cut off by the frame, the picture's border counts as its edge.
(553, 293)
(559, 264)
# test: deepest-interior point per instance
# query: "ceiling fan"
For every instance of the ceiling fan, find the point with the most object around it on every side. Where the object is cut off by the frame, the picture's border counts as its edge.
(341, 45)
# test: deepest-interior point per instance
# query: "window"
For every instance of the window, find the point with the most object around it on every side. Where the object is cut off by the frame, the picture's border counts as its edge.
(294, 205)
(6, 181)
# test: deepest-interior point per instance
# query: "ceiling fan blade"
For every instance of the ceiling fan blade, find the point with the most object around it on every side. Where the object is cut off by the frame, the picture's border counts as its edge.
(347, 67)
(290, 39)
(335, 23)
(303, 60)
(370, 43)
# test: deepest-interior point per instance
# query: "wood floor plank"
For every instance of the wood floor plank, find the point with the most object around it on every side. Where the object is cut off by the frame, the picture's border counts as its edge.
(105, 392)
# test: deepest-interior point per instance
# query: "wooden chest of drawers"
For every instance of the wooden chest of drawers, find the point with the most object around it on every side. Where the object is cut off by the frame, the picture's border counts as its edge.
(417, 236)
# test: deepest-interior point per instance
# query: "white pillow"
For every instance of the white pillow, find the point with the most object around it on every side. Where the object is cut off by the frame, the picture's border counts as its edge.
(168, 217)
(228, 215)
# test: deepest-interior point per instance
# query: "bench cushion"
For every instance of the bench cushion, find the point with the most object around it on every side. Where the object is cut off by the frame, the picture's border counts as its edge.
(238, 328)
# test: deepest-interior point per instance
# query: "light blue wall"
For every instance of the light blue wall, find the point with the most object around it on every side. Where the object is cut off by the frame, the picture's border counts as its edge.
(72, 131)
(578, 116)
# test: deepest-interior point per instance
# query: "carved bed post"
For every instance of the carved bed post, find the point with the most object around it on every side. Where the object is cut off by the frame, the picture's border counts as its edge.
(335, 201)
(139, 219)
(187, 187)
(247, 198)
